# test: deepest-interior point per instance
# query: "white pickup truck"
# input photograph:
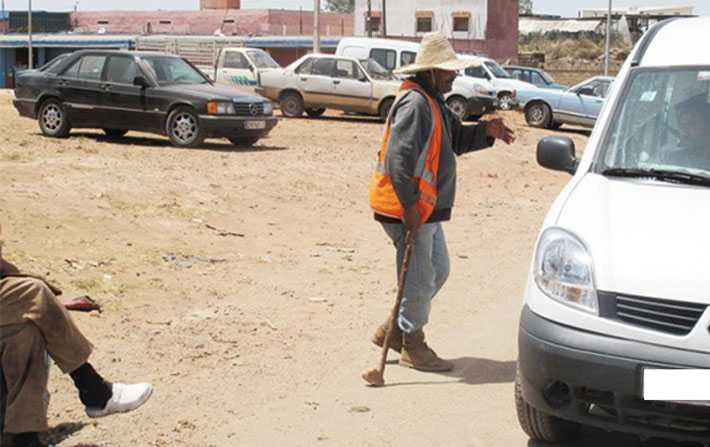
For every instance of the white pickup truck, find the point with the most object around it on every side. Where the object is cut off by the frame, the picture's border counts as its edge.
(240, 67)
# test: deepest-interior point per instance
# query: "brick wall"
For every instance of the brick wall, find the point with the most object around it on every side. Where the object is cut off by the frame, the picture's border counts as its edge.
(260, 22)
(220, 4)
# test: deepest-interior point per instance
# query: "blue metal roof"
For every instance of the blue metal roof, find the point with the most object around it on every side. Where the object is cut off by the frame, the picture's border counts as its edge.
(66, 41)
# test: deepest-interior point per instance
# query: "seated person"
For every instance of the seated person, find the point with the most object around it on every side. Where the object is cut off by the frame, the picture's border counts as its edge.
(34, 323)
(692, 148)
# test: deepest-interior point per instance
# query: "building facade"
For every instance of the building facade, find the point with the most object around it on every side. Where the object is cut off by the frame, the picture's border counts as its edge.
(474, 26)
(230, 22)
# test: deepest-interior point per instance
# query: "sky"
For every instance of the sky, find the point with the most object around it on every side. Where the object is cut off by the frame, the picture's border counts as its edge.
(560, 7)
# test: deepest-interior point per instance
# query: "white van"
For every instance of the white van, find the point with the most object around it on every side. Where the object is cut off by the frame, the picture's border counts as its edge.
(240, 67)
(468, 97)
(505, 85)
(618, 288)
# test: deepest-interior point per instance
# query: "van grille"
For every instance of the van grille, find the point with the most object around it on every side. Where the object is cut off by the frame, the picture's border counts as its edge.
(671, 317)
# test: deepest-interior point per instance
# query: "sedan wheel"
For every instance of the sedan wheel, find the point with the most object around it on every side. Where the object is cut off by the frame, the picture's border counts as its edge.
(458, 106)
(506, 101)
(183, 128)
(53, 121)
(538, 115)
(291, 105)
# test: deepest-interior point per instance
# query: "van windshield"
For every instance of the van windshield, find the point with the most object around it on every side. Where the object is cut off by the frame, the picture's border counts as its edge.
(661, 125)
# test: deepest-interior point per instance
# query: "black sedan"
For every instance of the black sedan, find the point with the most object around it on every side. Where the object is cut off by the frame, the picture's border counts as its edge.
(118, 91)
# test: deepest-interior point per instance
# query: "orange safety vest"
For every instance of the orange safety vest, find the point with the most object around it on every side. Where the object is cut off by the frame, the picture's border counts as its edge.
(383, 198)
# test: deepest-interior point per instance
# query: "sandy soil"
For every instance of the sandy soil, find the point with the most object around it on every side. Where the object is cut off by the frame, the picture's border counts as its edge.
(245, 284)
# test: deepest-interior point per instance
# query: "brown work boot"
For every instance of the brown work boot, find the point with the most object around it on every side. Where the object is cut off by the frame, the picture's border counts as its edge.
(381, 333)
(418, 355)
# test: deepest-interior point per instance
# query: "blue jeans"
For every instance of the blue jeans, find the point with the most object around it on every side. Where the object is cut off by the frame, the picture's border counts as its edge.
(428, 271)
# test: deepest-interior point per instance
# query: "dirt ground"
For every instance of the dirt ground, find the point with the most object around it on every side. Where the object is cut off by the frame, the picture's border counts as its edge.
(245, 284)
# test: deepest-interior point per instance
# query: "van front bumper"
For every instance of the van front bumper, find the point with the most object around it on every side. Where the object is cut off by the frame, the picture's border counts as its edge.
(597, 380)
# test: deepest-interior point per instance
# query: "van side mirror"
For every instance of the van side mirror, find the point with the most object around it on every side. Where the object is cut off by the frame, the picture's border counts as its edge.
(558, 154)
(586, 91)
(140, 81)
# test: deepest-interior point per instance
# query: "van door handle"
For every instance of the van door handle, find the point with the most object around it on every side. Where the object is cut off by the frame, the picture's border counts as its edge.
(335, 81)
(304, 79)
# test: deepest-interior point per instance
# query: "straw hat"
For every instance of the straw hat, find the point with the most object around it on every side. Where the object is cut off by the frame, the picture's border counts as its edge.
(436, 52)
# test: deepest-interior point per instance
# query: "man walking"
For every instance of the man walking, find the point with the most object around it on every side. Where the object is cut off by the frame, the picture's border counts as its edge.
(413, 187)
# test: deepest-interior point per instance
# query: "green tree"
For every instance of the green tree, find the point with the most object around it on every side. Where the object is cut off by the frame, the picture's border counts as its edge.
(340, 5)
(525, 7)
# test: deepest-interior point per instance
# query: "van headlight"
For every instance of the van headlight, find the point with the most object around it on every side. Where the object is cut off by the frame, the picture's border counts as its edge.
(268, 108)
(564, 271)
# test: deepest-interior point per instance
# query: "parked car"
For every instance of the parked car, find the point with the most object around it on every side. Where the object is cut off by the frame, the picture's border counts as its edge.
(535, 76)
(469, 98)
(118, 91)
(505, 86)
(618, 285)
(579, 105)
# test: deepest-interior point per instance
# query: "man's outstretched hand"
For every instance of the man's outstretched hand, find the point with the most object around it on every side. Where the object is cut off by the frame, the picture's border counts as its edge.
(496, 128)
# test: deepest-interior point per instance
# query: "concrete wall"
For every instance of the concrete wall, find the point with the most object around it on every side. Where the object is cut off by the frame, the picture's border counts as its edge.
(402, 16)
(495, 32)
(220, 4)
(257, 22)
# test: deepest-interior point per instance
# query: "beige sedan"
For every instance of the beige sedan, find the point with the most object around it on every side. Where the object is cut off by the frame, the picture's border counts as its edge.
(317, 82)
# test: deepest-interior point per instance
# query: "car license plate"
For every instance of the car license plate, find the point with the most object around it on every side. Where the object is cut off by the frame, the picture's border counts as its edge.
(252, 125)
(673, 385)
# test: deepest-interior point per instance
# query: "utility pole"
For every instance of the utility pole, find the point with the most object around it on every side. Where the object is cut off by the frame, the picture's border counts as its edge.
(608, 41)
(384, 18)
(368, 23)
(29, 32)
(316, 26)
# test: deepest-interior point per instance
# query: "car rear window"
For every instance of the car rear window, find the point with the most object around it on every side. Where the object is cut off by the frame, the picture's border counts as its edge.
(323, 67)
(386, 58)
(91, 67)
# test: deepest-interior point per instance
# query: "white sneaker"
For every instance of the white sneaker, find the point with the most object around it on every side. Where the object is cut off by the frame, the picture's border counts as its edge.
(124, 398)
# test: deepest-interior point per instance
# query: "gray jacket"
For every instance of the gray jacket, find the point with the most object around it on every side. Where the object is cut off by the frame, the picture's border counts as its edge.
(411, 122)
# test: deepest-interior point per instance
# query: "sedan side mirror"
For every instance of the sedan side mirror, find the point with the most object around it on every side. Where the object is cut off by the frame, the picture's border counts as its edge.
(140, 81)
(557, 153)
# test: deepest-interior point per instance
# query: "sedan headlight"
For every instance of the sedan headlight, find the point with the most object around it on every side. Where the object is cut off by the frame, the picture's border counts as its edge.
(564, 271)
(268, 108)
(220, 108)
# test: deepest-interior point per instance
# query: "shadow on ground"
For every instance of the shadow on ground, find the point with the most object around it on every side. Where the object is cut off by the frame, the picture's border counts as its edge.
(575, 130)
(591, 437)
(210, 145)
(471, 371)
(63, 431)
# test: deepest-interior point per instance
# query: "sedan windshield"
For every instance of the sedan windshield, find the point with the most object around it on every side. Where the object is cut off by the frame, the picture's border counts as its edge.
(377, 71)
(173, 70)
(497, 70)
(661, 127)
(262, 59)
(546, 76)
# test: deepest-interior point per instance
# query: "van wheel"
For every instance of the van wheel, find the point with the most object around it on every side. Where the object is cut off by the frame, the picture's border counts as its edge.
(458, 106)
(538, 425)
(115, 133)
(505, 101)
(538, 115)
(291, 105)
(315, 113)
(53, 120)
(243, 141)
(183, 128)
(385, 108)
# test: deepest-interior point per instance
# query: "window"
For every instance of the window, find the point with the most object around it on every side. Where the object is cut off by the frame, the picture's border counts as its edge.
(91, 67)
(477, 72)
(461, 24)
(374, 24)
(599, 88)
(536, 79)
(407, 57)
(262, 59)
(346, 69)
(102, 22)
(122, 70)
(386, 58)
(235, 60)
(173, 70)
(166, 22)
(73, 70)
(424, 24)
(323, 67)
(305, 67)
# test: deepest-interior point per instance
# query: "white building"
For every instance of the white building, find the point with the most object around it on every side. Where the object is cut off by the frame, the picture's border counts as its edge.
(663, 11)
(458, 19)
